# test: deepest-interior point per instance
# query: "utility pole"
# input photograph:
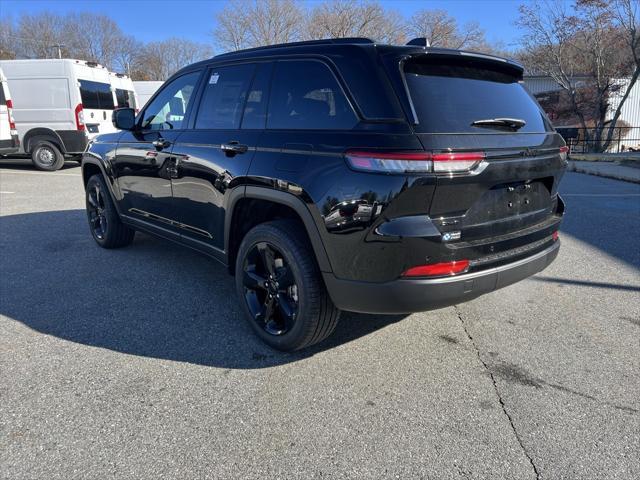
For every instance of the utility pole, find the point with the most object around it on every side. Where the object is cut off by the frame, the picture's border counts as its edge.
(59, 46)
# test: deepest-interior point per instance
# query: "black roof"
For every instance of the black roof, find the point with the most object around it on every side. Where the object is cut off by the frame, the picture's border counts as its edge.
(333, 44)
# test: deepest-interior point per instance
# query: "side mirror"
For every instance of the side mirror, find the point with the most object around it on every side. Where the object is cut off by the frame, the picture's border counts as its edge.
(124, 118)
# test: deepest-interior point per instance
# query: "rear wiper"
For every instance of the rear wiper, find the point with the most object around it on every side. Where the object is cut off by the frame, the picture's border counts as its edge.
(512, 123)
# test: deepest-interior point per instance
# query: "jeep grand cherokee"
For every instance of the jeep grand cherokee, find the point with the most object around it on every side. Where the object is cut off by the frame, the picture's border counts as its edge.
(338, 175)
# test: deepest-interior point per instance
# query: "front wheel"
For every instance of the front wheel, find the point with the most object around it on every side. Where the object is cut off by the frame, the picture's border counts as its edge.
(104, 222)
(280, 288)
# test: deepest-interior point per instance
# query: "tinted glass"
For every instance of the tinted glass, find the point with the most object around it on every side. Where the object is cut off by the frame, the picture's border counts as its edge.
(125, 98)
(449, 96)
(224, 96)
(2, 99)
(168, 108)
(306, 95)
(255, 110)
(96, 95)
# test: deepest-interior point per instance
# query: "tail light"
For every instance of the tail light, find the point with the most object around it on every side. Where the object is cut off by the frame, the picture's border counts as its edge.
(443, 269)
(555, 236)
(414, 162)
(564, 152)
(79, 117)
(12, 122)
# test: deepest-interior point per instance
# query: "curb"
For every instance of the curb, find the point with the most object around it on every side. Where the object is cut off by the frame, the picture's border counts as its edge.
(573, 168)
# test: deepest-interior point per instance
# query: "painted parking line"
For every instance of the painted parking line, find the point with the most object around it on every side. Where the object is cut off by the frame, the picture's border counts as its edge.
(20, 172)
(600, 194)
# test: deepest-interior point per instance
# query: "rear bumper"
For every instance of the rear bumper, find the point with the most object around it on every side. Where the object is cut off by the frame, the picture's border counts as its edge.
(9, 146)
(416, 295)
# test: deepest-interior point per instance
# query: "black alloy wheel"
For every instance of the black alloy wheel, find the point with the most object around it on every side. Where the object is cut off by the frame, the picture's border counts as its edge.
(270, 289)
(280, 287)
(96, 206)
(104, 222)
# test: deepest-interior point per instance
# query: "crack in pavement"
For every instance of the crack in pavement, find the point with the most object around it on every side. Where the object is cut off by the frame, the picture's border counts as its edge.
(495, 387)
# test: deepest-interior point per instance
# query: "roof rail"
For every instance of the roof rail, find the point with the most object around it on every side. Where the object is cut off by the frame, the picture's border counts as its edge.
(326, 41)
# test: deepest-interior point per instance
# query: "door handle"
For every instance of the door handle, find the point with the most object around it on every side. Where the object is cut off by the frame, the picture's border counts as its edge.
(232, 148)
(161, 143)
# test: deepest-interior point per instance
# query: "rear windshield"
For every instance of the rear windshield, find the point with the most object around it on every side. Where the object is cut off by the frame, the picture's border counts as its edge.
(125, 98)
(96, 95)
(449, 96)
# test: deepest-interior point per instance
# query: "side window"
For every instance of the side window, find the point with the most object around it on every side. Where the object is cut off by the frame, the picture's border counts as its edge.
(224, 96)
(96, 95)
(125, 98)
(306, 95)
(255, 110)
(168, 108)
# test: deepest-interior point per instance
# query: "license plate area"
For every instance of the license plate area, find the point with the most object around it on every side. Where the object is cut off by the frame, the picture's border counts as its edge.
(509, 200)
(93, 128)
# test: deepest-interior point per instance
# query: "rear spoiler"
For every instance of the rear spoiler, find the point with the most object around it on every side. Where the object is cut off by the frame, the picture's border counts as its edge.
(510, 66)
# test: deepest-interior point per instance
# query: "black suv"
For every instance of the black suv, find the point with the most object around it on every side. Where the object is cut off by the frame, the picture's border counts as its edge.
(338, 175)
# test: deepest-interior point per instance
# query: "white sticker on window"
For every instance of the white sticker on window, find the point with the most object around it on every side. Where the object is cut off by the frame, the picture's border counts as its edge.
(214, 79)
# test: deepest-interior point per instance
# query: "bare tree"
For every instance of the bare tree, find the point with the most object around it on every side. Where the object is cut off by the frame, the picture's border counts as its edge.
(39, 36)
(159, 60)
(627, 16)
(243, 24)
(350, 18)
(232, 30)
(442, 30)
(92, 37)
(588, 41)
(8, 39)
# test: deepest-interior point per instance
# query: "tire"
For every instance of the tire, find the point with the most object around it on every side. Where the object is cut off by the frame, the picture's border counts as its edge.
(46, 156)
(296, 287)
(104, 223)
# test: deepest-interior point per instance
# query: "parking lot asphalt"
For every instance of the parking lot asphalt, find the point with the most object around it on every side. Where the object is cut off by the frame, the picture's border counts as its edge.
(135, 363)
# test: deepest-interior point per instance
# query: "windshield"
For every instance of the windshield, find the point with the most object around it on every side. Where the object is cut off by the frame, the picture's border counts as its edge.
(465, 96)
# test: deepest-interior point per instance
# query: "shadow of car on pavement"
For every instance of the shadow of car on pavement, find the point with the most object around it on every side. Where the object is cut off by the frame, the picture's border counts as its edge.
(153, 299)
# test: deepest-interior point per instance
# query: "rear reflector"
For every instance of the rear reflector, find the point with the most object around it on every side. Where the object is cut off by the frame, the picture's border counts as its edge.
(555, 236)
(564, 151)
(438, 269)
(413, 162)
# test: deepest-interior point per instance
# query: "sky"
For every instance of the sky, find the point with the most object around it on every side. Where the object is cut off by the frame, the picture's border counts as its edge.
(152, 20)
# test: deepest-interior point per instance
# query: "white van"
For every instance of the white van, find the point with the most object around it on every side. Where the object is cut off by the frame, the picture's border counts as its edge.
(145, 90)
(8, 135)
(59, 106)
(122, 87)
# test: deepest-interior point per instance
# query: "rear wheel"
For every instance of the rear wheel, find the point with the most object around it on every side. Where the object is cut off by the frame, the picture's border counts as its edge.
(105, 225)
(280, 287)
(46, 156)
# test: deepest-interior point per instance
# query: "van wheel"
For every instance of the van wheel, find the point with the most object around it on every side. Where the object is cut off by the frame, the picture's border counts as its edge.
(280, 288)
(105, 225)
(46, 156)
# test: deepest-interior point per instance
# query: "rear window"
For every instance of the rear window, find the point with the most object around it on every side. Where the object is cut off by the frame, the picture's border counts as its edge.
(96, 95)
(448, 96)
(3, 100)
(125, 98)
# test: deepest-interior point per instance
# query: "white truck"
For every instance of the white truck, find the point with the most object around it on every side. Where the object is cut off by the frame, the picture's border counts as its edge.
(124, 91)
(145, 90)
(8, 135)
(59, 105)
